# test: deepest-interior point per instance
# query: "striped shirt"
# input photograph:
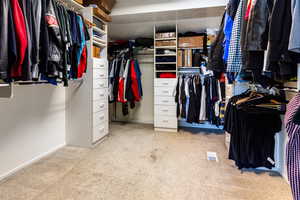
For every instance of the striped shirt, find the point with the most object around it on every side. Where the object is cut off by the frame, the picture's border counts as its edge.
(293, 146)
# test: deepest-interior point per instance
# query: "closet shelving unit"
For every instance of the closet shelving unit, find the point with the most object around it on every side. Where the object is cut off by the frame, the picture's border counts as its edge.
(87, 108)
(165, 118)
(191, 70)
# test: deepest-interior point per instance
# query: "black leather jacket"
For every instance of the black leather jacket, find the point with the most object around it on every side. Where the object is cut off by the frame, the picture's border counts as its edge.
(215, 57)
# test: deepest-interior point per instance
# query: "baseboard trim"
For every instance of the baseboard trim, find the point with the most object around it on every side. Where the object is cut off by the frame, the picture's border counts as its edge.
(30, 162)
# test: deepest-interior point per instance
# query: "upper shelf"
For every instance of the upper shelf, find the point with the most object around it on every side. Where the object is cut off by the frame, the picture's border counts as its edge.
(102, 32)
(74, 4)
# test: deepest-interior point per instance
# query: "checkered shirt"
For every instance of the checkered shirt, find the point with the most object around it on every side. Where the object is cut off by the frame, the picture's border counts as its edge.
(293, 146)
(234, 63)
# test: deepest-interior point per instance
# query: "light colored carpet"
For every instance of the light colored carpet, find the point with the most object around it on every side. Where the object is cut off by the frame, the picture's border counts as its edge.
(136, 163)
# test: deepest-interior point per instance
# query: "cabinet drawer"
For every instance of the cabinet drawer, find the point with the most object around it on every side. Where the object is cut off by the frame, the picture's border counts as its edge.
(160, 100)
(100, 83)
(165, 122)
(99, 132)
(165, 111)
(100, 94)
(164, 91)
(100, 106)
(100, 73)
(100, 118)
(100, 63)
(165, 82)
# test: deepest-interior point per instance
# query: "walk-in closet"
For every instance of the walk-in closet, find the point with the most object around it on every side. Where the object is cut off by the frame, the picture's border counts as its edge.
(149, 99)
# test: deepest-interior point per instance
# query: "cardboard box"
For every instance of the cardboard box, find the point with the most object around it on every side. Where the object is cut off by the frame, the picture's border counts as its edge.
(165, 43)
(96, 52)
(79, 1)
(105, 5)
(165, 35)
(101, 14)
(179, 60)
(191, 42)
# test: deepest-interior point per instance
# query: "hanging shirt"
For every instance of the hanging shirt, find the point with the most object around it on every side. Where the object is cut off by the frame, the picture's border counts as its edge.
(293, 146)
(4, 16)
(294, 44)
(21, 37)
(235, 52)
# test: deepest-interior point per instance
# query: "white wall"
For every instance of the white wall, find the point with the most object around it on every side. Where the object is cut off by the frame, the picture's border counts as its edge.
(32, 124)
(144, 111)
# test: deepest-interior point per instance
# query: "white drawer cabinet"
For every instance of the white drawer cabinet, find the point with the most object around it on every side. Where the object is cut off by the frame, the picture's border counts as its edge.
(165, 82)
(88, 115)
(161, 110)
(100, 131)
(100, 83)
(100, 94)
(161, 100)
(100, 73)
(100, 106)
(165, 122)
(100, 63)
(164, 91)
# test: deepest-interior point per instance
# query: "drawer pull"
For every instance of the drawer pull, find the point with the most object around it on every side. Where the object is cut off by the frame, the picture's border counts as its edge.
(101, 75)
(101, 85)
(101, 66)
(101, 118)
(102, 106)
(166, 92)
(165, 101)
(165, 121)
(165, 110)
(166, 84)
(101, 95)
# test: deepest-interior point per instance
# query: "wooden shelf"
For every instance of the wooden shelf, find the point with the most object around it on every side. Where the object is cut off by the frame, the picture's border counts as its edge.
(190, 48)
(163, 55)
(166, 63)
(166, 47)
(98, 44)
(162, 39)
(73, 3)
(99, 30)
(99, 40)
(102, 15)
(189, 67)
(166, 70)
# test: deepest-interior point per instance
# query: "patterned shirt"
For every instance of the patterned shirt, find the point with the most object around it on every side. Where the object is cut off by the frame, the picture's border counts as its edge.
(293, 146)
(234, 63)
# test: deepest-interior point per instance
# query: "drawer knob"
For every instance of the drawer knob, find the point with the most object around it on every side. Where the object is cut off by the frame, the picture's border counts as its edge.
(102, 106)
(165, 121)
(102, 118)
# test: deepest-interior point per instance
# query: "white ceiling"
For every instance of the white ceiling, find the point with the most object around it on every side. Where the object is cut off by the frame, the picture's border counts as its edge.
(136, 18)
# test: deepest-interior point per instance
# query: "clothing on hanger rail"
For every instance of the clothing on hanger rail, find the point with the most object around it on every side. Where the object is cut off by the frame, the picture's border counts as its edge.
(48, 42)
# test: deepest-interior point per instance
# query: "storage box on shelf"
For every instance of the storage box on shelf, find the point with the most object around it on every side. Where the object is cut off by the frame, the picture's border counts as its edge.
(191, 42)
(88, 102)
(105, 5)
(165, 63)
